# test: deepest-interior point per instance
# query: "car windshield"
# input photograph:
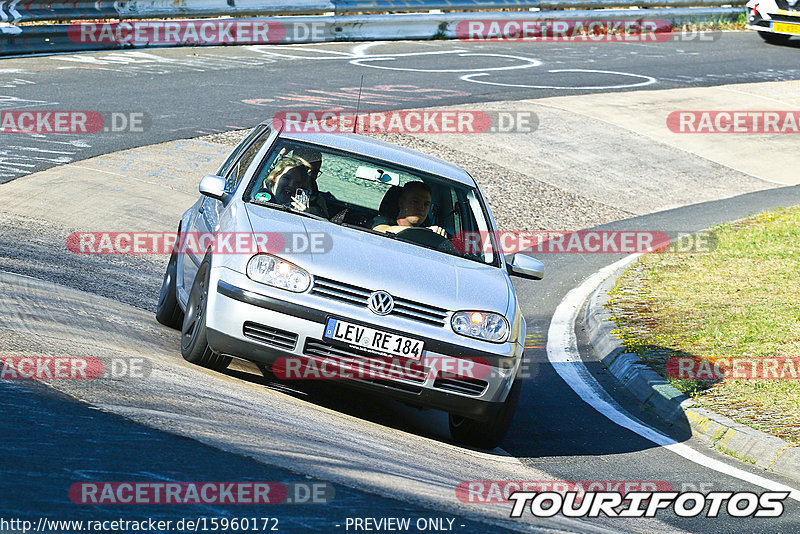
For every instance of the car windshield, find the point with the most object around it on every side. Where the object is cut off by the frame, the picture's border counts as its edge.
(370, 195)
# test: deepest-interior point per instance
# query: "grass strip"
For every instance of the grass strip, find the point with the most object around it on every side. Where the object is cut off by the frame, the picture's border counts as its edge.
(741, 300)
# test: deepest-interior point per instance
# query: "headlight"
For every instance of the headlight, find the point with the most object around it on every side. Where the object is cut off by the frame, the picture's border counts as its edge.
(481, 325)
(277, 272)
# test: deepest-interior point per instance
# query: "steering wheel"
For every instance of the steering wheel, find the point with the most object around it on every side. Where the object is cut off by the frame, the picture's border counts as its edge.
(426, 237)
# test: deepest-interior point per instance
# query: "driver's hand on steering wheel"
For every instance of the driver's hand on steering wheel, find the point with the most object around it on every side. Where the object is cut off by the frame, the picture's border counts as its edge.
(389, 229)
(397, 229)
(438, 230)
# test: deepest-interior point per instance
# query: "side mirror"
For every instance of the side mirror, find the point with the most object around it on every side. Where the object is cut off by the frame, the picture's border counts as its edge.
(525, 267)
(213, 186)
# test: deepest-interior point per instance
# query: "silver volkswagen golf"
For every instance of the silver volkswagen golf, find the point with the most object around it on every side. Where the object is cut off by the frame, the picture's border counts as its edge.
(341, 257)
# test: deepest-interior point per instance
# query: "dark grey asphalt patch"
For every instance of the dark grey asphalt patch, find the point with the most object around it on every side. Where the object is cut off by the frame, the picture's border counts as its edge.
(51, 441)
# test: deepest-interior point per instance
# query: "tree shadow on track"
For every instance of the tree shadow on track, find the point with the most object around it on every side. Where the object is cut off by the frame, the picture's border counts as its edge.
(551, 419)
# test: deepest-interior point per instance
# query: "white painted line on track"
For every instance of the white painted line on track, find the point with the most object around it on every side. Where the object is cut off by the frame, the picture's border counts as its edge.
(562, 351)
(648, 80)
(361, 49)
(526, 63)
(357, 53)
(360, 58)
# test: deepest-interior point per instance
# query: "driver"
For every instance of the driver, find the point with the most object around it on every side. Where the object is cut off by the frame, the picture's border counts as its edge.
(413, 205)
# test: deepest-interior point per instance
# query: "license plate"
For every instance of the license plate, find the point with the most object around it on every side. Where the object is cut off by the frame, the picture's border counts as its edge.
(785, 28)
(373, 340)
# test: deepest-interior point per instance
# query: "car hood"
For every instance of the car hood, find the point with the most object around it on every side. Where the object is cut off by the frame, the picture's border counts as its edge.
(374, 262)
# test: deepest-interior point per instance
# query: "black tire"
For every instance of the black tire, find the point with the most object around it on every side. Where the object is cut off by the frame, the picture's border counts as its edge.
(169, 313)
(774, 38)
(194, 341)
(486, 434)
(266, 370)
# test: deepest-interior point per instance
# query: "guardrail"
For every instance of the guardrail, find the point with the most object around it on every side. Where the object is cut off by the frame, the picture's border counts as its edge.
(20, 40)
(352, 6)
(14, 11)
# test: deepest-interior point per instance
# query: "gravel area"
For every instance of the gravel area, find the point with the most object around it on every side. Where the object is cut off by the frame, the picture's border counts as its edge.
(518, 201)
(230, 138)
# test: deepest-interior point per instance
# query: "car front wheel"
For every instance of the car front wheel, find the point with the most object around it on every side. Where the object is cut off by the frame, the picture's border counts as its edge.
(168, 312)
(194, 341)
(486, 434)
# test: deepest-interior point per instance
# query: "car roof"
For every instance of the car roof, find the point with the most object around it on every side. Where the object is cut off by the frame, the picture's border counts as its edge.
(388, 152)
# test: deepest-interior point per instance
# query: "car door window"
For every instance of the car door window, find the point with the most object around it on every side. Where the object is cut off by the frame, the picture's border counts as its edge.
(233, 175)
(239, 148)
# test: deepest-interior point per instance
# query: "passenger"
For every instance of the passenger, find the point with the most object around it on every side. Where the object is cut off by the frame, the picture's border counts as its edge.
(290, 184)
(413, 206)
(312, 159)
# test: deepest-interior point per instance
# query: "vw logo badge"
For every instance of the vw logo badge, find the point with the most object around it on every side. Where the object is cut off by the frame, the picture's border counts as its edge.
(380, 303)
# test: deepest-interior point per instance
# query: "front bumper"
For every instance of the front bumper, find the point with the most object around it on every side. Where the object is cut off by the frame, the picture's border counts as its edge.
(773, 19)
(261, 324)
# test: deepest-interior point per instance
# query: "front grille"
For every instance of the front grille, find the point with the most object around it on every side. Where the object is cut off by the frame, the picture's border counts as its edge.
(402, 386)
(359, 359)
(785, 18)
(270, 336)
(358, 296)
(463, 385)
